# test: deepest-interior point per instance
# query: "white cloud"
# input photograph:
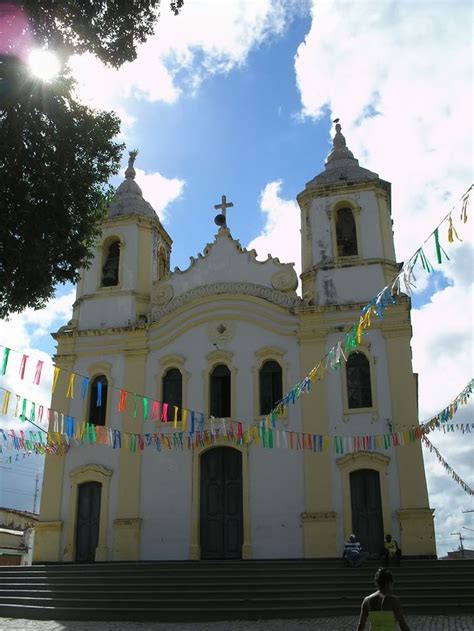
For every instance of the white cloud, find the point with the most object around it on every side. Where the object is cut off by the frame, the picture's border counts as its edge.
(208, 37)
(412, 63)
(159, 190)
(280, 236)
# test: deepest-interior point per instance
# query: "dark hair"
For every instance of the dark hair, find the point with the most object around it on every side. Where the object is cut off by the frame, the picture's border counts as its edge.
(383, 577)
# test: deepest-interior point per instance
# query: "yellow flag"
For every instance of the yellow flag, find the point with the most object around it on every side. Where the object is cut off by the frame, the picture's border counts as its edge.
(6, 401)
(184, 414)
(55, 378)
(175, 420)
(70, 390)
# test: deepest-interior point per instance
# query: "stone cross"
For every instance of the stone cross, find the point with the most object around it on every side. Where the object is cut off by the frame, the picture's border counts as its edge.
(223, 206)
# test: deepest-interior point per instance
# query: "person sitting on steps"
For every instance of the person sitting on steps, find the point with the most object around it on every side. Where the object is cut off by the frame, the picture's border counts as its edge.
(353, 553)
(382, 608)
(391, 552)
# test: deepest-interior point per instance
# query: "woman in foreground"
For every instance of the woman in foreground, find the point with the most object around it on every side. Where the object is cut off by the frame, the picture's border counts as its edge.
(381, 608)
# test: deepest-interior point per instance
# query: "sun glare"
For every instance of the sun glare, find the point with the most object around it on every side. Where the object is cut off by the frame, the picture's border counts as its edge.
(44, 64)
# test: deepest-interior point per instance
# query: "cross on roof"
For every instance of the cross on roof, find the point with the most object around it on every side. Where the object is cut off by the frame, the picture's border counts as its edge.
(223, 206)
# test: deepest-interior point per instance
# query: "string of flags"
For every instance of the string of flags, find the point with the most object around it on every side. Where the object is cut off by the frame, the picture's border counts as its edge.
(446, 466)
(403, 283)
(440, 420)
(65, 431)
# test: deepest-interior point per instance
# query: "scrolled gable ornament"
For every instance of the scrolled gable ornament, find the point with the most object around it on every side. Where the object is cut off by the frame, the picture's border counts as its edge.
(161, 293)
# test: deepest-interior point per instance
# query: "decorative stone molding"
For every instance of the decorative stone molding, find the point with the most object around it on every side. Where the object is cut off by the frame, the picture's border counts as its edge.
(415, 513)
(224, 233)
(161, 293)
(319, 516)
(363, 459)
(270, 352)
(285, 280)
(214, 289)
(133, 522)
(220, 332)
(219, 357)
(172, 361)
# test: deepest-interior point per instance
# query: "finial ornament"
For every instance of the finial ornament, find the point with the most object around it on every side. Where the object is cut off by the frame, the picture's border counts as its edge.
(130, 172)
(340, 150)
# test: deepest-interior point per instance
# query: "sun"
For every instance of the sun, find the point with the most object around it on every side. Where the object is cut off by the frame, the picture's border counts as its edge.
(44, 64)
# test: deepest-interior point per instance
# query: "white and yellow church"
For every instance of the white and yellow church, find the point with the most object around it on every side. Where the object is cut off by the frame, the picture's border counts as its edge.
(229, 336)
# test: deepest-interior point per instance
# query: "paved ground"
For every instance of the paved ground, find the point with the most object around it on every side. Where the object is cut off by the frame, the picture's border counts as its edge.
(417, 623)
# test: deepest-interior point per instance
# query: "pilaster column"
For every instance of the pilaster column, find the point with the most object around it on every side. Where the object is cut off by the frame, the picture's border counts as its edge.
(48, 529)
(319, 518)
(127, 524)
(416, 518)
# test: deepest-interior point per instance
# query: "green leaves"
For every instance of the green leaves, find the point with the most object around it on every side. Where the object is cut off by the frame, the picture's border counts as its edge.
(56, 159)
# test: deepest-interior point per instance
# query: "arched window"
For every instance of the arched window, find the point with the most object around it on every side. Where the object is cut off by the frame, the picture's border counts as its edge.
(220, 392)
(359, 391)
(270, 386)
(162, 264)
(173, 391)
(110, 269)
(98, 401)
(346, 235)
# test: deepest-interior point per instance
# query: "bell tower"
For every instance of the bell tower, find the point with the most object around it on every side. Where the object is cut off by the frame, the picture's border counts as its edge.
(348, 256)
(132, 253)
(347, 241)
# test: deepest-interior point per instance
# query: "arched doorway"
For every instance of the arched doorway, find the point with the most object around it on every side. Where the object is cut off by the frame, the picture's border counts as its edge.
(221, 511)
(87, 521)
(366, 505)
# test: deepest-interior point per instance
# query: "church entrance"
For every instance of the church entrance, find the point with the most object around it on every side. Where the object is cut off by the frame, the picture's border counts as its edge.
(221, 520)
(366, 504)
(87, 521)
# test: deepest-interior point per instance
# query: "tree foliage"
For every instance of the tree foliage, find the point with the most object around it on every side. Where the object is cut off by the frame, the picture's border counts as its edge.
(109, 29)
(56, 155)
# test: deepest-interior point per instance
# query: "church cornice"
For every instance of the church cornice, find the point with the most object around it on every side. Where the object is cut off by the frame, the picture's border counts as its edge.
(227, 288)
(343, 187)
(147, 222)
(350, 261)
(111, 292)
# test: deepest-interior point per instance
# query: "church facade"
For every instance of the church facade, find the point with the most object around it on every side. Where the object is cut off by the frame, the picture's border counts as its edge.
(228, 337)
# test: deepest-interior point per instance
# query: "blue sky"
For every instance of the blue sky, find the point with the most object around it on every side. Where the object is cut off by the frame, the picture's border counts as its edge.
(237, 98)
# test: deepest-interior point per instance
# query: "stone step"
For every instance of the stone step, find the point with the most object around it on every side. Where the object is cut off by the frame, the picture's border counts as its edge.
(321, 585)
(340, 569)
(183, 596)
(225, 590)
(203, 566)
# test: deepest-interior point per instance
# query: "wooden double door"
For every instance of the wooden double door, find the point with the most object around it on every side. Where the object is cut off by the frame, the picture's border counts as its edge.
(366, 505)
(221, 512)
(87, 521)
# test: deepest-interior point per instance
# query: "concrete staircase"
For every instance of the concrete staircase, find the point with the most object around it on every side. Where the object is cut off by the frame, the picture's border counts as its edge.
(218, 590)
